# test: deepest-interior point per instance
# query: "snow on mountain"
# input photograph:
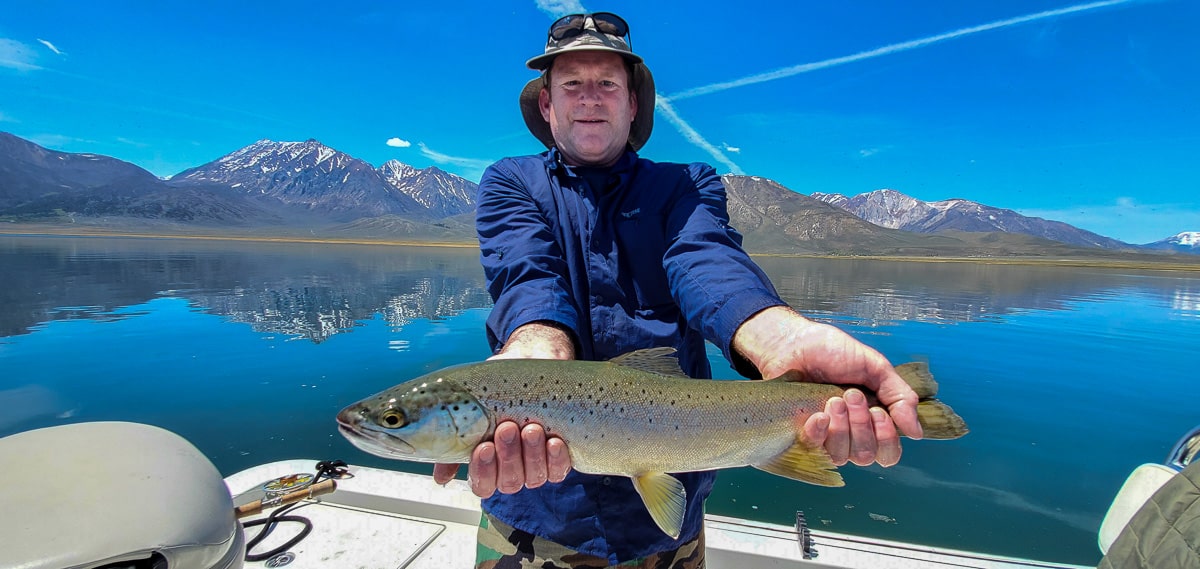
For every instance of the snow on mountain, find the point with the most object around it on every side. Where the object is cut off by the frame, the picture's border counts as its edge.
(1185, 242)
(895, 210)
(438, 191)
(320, 178)
(1189, 238)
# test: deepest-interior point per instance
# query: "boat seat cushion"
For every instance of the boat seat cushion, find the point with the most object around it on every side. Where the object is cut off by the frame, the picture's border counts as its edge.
(91, 494)
(1165, 532)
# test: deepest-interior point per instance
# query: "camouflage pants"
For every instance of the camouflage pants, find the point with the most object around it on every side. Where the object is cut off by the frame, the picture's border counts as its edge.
(504, 547)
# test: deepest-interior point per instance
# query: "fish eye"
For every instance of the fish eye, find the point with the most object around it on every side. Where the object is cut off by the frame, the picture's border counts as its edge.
(392, 418)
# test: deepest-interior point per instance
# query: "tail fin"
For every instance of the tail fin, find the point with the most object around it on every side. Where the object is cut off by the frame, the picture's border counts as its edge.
(938, 420)
(917, 376)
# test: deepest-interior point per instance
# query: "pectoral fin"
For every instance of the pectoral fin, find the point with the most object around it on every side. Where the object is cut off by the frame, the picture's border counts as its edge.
(665, 498)
(805, 463)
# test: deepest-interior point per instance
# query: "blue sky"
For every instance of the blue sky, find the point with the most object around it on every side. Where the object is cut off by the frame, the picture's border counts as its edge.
(1084, 112)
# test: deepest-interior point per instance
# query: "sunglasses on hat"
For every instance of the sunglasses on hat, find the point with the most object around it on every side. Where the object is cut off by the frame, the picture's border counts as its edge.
(603, 22)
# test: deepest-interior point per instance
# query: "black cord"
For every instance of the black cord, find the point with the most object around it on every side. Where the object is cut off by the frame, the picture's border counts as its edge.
(332, 469)
(325, 469)
(270, 523)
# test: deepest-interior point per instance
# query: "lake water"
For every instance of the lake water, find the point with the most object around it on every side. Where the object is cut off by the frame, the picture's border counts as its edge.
(1068, 377)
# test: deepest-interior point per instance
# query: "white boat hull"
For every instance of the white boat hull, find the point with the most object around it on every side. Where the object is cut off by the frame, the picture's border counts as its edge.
(383, 519)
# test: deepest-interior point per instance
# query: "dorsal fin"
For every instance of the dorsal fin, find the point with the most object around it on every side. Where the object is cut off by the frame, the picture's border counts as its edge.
(654, 360)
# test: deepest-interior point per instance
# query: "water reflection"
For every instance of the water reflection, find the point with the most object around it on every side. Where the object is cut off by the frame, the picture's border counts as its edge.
(297, 290)
(878, 292)
(1186, 301)
(315, 291)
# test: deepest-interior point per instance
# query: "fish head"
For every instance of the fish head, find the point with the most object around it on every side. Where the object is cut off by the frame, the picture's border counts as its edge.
(429, 419)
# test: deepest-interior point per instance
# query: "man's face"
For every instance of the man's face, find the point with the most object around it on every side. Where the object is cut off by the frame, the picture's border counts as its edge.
(589, 106)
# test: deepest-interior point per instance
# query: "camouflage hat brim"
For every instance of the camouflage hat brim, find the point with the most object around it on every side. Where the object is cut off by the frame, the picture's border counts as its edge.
(588, 40)
(639, 131)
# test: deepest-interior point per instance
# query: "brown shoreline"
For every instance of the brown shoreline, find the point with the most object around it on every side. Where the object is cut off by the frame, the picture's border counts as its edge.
(1166, 264)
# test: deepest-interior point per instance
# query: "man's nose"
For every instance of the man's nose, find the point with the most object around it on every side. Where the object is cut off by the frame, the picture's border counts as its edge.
(590, 91)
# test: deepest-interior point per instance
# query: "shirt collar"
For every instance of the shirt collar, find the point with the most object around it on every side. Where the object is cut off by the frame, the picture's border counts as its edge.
(624, 166)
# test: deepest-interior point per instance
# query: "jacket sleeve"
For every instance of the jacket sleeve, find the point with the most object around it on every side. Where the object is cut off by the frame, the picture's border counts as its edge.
(713, 280)
(524, 266)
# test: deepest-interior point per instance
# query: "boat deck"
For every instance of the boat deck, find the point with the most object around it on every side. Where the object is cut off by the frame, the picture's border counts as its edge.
(387, 519)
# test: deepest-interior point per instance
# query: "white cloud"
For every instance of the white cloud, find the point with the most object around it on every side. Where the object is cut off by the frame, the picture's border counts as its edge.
(398, 143)
(734, 149)
(890, 49)
(559, 8)
(51, 46)
(16, 55)
(868, 152)
(469, 168)
(132, 142)
(663, 106)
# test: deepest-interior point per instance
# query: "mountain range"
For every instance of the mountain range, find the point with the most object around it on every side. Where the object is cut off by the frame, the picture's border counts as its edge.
(284, 189)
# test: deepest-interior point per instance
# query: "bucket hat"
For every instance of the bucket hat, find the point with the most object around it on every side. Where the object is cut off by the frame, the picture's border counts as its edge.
(590, 32)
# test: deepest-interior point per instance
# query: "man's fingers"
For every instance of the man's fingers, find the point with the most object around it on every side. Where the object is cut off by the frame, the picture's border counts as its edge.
(533, 443)
(886, 436)
(862, 428)
(901, 403)
(558, 460)
(816, 429)
(510, 459)
(481, 473)
(444, 473)
(904, 413)
(837, 443)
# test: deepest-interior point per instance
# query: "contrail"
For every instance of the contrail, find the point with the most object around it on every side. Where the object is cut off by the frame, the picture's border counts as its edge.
(663, 106)
(895, 48)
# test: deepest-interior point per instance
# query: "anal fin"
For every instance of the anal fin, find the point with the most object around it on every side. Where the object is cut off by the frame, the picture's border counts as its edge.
(665, 498)
(806, 463)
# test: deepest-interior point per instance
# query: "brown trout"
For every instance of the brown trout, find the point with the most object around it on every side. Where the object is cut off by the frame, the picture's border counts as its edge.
(636, 415)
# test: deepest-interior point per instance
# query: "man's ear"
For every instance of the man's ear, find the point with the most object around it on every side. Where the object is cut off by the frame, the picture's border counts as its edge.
(632, 106)
(544, 103)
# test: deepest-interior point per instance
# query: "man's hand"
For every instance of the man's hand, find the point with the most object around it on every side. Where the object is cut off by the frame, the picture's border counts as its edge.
(519, 458)
(778, 340)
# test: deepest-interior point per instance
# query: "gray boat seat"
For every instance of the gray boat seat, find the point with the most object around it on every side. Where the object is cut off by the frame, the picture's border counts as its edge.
(111, 494)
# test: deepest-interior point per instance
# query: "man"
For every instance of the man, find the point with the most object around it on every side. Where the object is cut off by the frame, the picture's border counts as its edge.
(591, 252)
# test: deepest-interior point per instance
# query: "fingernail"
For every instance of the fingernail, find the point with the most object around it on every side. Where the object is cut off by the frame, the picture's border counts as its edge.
(854, 397)
(487, 455)
(508, 436)
(878, 414)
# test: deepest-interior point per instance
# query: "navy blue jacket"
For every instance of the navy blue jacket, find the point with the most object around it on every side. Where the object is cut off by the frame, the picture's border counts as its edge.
(646, 260)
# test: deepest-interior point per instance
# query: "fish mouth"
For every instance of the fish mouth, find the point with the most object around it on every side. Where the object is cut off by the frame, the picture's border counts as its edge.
(376, 442)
